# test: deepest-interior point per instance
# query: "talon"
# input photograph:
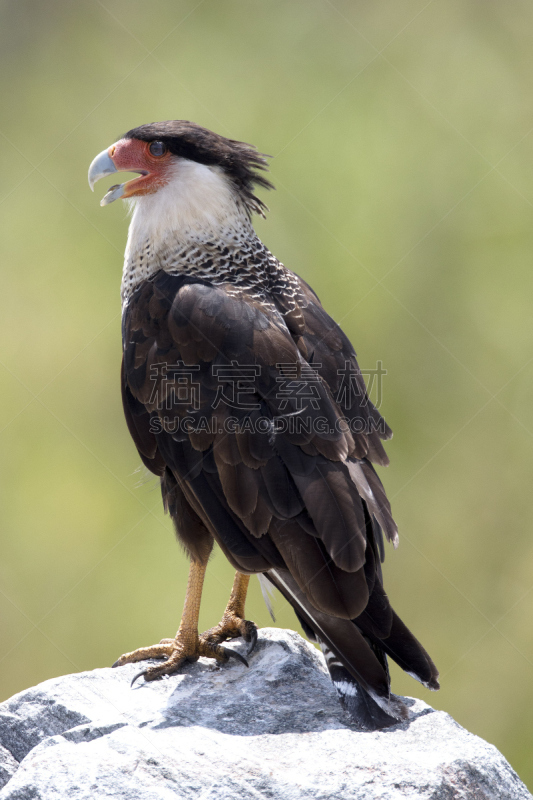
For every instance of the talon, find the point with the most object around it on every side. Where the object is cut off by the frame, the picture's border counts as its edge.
(187, 646)
(253, 641)
(139, 675)
(233, 654)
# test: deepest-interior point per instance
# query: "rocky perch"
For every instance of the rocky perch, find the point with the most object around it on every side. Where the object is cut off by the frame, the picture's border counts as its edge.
(275, 730)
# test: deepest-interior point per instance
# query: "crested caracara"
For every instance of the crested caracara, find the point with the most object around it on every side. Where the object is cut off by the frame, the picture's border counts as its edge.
(245, 398)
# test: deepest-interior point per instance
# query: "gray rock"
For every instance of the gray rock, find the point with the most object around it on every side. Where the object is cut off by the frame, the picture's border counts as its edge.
(8, 766)
(275, 730)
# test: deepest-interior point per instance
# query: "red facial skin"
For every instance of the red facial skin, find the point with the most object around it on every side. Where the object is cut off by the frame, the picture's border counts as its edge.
(132, 155)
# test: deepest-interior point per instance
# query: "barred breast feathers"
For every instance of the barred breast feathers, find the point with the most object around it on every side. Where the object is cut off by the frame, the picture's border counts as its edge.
(197, 225)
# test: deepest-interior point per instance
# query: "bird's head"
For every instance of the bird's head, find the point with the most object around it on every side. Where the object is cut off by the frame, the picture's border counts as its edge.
(187, 164)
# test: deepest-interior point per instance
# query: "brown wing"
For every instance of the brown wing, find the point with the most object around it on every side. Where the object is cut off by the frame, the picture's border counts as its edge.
(326, 346)
(253, 447)
(205, 388)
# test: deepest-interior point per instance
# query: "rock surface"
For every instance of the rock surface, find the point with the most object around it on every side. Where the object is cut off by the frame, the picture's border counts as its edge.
(275, 730)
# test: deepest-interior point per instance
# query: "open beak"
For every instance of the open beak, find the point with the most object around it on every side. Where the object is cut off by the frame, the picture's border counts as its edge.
(103, 165)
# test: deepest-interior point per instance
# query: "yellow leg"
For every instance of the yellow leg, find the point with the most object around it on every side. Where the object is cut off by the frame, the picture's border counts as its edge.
(187, 645)
(233, 623)
(237, 598)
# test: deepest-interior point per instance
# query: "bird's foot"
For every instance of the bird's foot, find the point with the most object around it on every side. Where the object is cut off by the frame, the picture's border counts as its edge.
(232, 626)
(188, 647)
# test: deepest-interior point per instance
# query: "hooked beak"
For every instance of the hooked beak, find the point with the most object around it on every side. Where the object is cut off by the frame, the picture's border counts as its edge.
(104, 165)
(101, 166)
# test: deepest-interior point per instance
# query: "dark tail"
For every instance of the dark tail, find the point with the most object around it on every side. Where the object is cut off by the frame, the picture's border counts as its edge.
(355, 656)
(368, 714)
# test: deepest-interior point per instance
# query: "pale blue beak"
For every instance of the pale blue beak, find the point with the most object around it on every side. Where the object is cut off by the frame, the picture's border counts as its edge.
(101, 166)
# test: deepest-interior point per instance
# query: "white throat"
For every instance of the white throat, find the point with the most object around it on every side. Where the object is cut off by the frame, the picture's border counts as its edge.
(198, 204)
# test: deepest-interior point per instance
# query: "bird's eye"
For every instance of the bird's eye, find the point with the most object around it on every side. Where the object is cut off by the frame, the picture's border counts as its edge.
(158, 149)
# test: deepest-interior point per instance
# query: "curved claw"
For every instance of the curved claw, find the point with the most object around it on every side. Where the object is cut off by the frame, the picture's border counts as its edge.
(253, 641)
(116, 664)
(139, 675)
(234, 654)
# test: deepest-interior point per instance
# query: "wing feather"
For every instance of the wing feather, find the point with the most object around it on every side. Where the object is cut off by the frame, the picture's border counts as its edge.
(284, 488)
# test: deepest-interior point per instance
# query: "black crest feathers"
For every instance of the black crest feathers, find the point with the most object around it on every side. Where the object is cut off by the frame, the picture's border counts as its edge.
(240, 161)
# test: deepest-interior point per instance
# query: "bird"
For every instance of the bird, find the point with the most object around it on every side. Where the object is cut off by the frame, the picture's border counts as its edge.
(245, 398)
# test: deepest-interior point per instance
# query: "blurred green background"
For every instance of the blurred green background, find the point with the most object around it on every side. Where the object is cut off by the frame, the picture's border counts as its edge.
(403, 150)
